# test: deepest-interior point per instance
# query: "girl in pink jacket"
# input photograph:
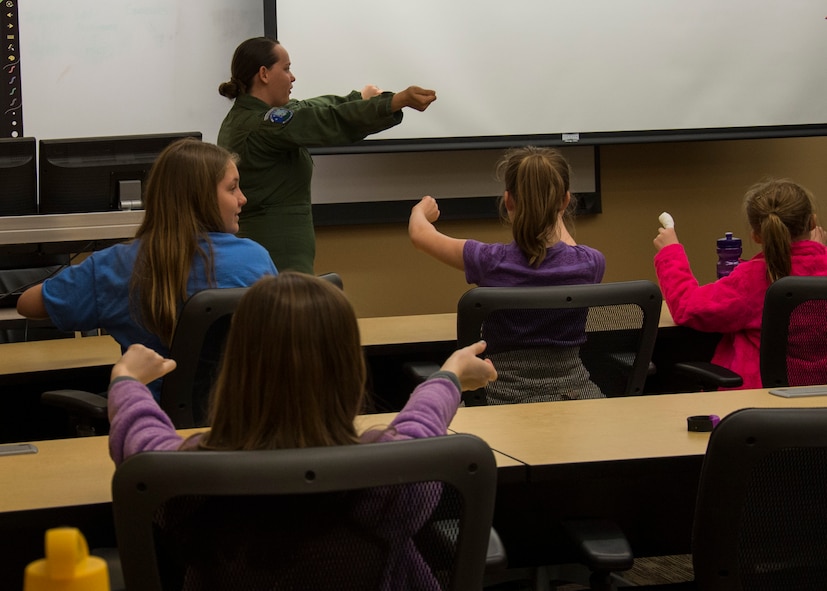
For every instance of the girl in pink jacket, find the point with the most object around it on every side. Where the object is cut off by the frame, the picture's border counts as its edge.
(781, 215)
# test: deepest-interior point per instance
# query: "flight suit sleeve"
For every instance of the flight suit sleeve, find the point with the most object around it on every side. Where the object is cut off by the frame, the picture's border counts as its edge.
(326, 121)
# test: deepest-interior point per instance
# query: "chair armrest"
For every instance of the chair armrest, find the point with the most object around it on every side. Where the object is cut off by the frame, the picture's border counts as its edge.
(711, 376)
(602, 545)
(83, 403)
(420, 371)
(496, 559)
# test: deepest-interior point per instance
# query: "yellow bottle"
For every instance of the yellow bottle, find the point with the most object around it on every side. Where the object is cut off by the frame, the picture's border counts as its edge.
(67, 566)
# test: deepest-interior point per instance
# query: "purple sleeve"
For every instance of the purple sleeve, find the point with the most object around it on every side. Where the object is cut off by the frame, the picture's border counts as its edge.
(137, 423)
(429, 411)
(599, 261)
(472, 256)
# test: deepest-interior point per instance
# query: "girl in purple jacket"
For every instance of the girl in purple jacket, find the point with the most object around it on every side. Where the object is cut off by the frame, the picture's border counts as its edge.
(293, 375)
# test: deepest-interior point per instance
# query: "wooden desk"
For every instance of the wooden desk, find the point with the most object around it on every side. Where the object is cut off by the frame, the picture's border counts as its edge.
(630, 460)
(68, 482)
(377, 333)
(58, 354)
(609, 430)
(78, 472)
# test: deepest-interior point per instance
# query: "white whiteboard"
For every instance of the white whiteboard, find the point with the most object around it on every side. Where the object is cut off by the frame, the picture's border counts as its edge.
(122, 67)
(569, 66)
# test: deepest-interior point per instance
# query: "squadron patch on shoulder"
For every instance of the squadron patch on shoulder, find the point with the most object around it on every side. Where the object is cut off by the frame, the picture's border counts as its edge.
(278, 115)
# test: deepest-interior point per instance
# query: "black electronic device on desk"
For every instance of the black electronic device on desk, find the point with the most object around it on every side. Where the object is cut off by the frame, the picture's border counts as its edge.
(95, 174)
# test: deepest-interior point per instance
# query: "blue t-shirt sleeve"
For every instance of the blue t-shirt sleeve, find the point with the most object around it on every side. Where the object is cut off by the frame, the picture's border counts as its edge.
(70, 297)
(239, 262)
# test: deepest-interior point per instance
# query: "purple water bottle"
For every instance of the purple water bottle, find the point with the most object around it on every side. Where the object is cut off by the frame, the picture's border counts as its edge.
(729, 254)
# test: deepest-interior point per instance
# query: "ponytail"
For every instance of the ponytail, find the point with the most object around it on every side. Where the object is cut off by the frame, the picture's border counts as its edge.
(779, 211)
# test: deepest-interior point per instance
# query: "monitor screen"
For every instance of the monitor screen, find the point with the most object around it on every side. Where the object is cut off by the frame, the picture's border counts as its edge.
(98, 173)
(18, 176)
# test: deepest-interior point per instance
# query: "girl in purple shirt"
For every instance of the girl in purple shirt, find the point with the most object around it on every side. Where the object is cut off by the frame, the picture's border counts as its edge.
(536, 197)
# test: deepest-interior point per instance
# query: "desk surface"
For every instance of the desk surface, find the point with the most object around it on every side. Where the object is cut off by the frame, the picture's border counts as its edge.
(76, 472)
(612, 429)
(56, 354)
(30, 229)
(71, 472)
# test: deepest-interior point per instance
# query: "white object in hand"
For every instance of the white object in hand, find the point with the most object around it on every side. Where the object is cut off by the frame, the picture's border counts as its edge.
(666, 220)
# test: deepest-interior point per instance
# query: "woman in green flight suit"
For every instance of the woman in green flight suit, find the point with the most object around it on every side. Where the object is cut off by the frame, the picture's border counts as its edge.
(271, 133)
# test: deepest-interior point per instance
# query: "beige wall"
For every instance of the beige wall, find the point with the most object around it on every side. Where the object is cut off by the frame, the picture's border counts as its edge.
(700, 183)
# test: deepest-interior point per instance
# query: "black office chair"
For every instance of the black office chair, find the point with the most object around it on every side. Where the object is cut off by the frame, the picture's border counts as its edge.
(793, 348)
(605, 334)
(760, 519)
(412, 514)
(196, 347)
(794, 333)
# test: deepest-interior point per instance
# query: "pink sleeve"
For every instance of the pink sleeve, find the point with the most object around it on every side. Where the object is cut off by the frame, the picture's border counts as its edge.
(725, 305)
(137, 423)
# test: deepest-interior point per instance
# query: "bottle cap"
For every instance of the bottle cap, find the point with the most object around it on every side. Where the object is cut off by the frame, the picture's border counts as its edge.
(67, 566)
(729, 242)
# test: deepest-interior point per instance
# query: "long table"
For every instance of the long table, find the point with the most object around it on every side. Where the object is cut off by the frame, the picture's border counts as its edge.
(67, 482)
(630, 460)
(380, 334)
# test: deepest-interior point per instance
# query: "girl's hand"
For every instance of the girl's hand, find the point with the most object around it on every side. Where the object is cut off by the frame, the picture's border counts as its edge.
(428, 208)
(472, 371)
(142, 364)
(370, 91)
(665, 237)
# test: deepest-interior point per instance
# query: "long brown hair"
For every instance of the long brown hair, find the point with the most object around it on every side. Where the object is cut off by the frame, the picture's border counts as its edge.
(181, 207)
(779, 211)
(293, 373)
(538, 180)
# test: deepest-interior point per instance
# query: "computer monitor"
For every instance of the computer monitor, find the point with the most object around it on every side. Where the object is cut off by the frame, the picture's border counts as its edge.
(18, 176)
(98, 173)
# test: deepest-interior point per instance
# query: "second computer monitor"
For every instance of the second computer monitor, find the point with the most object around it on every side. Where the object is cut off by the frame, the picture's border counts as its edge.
(98, 173)
(18, 176)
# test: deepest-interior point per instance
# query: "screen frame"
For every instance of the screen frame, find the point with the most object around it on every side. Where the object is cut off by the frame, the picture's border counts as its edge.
(18, 176)
(747, 24)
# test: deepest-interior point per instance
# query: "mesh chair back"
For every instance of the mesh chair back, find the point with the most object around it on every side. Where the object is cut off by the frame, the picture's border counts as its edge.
(196, 347)
(794, 333)
(410, 514)
(761, 515)
(562, 342)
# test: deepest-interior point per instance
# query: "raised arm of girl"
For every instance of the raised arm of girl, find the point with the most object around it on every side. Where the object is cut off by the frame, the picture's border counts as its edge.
(428, 239)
